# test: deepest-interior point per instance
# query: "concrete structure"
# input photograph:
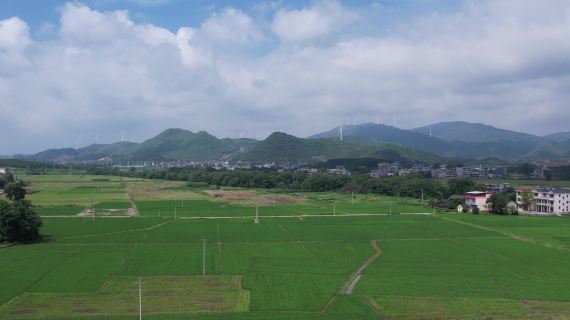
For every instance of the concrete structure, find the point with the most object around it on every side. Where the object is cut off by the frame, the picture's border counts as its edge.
(477, 199)
(497, 187)
(2, 171)
(545, 200)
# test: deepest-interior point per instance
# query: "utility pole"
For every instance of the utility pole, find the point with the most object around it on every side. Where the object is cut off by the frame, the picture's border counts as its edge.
(256, 214)
(352, 197)
(334, 209)
(91, 206)
(204, 257)
(422, 197)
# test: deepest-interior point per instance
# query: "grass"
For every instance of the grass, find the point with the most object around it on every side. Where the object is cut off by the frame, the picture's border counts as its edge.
(452, 266)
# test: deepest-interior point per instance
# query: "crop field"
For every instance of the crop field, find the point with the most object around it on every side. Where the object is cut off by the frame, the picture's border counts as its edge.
(311, 256)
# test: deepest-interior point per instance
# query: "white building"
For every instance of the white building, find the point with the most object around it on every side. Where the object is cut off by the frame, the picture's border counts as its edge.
(545, 200)
(477, 199)
(2, 171)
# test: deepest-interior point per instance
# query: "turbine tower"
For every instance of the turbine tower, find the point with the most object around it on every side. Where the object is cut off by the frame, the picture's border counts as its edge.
(340, 131)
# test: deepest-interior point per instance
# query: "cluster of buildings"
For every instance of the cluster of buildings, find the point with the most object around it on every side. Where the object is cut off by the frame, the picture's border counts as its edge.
(537, 200)
(543, 167)
(386, 169)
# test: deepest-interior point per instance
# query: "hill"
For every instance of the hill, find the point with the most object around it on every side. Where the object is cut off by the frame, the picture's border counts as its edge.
(179, 144)
(562, 137)
(283, 147)
(474, 132)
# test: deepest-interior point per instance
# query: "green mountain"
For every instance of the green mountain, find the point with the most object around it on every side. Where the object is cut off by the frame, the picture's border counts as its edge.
(92, 152)
(474, 132)
(562, 137)
(458, 139)
(172, 144)
(98, 151)
(62, 154)
(382, 134)
(283, 147)
(179, 144)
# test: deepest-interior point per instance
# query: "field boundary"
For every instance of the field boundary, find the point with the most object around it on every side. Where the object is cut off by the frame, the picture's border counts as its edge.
(117, 232)
(355, 277)
(300, 243)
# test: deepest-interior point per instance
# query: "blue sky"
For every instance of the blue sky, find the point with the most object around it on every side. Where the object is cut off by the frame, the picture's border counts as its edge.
(173, 14)
(80, 72)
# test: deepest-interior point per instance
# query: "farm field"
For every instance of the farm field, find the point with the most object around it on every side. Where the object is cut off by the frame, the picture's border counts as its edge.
(213, 262)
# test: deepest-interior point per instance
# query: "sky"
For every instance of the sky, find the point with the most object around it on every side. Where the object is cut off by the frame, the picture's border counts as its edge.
(73, 73)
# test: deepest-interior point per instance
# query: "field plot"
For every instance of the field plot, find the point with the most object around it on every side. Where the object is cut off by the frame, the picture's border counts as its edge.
(290, 266)
(120, 296)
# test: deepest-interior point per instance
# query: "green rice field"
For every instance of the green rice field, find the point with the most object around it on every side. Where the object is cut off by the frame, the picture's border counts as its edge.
(201, 256)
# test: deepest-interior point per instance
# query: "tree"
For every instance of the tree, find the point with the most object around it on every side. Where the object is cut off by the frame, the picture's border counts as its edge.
(19, 222)
(15, 191)
(498, 203)
(6, 179)
(527, 200)
(461, 186)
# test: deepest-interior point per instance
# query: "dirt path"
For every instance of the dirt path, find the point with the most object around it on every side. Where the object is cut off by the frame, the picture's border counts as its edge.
(117, 232)
(220, 249)
(349, 286)
(133, 210)
(510, 235)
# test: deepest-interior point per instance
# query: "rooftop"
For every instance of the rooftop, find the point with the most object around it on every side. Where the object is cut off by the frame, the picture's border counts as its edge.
(551, 189)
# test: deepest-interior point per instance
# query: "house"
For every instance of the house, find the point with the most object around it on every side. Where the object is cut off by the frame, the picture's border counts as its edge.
(2, 171)
(496, 188)
(477, 199)
(544, 200)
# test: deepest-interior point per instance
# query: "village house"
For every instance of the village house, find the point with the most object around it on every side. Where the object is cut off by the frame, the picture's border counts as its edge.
(543, 200)
(477, 199)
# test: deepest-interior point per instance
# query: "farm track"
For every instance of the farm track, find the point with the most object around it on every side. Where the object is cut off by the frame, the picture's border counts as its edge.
(117, 232)
(349, 286)
(110, 278)
(510, 235)
(136, 212)
(373, 308)
(261, 217)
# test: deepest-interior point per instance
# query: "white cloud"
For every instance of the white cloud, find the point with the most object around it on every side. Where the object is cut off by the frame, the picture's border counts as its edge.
(100, 73)
(14, 34)
(318, 20)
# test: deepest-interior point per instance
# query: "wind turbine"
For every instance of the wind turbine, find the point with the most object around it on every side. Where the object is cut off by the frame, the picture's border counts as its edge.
(340, 131)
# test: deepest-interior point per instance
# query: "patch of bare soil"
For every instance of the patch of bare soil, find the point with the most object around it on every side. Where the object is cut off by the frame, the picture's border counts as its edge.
(244, 195)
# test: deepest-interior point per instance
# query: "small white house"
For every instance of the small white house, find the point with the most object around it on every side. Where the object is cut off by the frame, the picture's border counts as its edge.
(477, 199)
(2, 171)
